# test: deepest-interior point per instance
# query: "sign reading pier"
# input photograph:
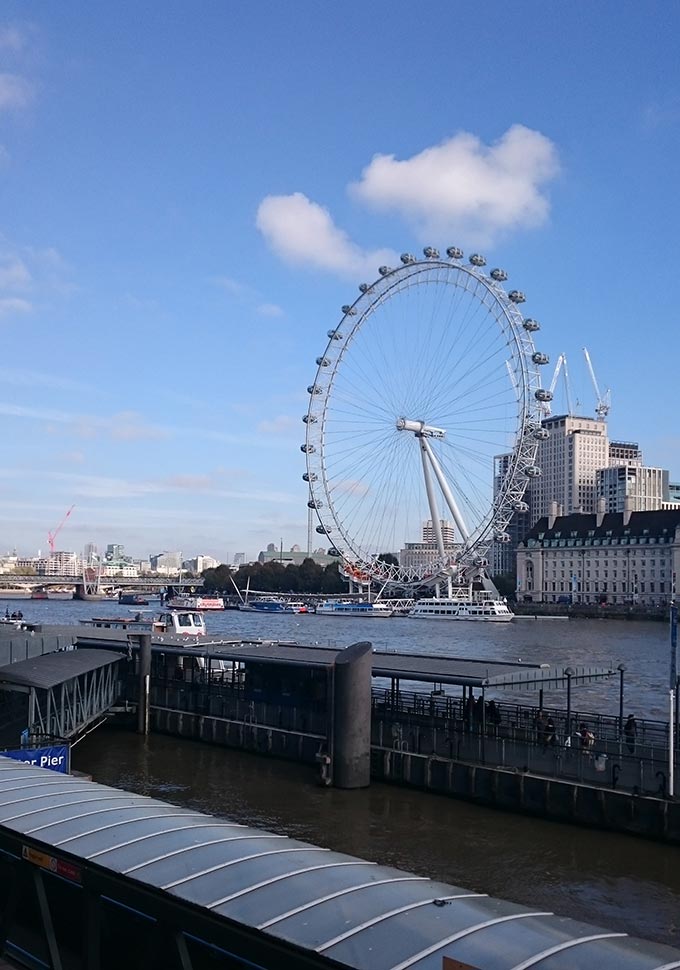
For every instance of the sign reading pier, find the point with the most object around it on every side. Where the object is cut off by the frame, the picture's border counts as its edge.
(55, 758)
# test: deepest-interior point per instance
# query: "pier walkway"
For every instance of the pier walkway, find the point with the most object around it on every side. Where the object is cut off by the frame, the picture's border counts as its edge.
(58, 695)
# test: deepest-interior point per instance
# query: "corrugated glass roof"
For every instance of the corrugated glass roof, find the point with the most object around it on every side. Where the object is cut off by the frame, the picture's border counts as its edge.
(52, 669)
(362, 915)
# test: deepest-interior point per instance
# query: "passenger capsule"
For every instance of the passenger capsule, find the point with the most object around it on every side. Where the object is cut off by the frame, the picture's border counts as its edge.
(309, 418)
(322, 361)
(516, 296)
(477, 260)
(334, 552)
(407, 258)
(307, 449)
(542, 434)
(313, 504)
(542, 395)
(430, 252)
(531, 326)
(533, 471)
(348, 310)
(499, 275)
(453, 252)
(365, 287)
(520, 507)
(322, 530)
(307, 477)
(385, 270)
(480, 562)
(314, 389)
(539, 358)
(335, 334)
(502, 537)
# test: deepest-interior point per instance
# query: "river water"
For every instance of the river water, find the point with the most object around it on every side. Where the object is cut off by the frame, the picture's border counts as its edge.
(620, 882)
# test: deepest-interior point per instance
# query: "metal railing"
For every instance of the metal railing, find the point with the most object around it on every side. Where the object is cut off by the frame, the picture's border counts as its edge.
(516, 737)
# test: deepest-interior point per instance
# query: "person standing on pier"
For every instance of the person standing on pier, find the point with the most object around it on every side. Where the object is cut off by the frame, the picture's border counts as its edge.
(630, 733)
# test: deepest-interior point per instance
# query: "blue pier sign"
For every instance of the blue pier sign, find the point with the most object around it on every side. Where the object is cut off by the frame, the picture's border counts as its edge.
(55, 758)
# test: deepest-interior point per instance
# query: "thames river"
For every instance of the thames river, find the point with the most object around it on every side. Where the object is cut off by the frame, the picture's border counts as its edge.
(620, 882)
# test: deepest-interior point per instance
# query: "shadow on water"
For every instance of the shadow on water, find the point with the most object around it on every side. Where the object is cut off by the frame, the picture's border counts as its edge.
(621, 882)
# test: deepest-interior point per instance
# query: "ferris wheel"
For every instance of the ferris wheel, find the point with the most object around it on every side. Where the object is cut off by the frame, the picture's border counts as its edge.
(424, 420)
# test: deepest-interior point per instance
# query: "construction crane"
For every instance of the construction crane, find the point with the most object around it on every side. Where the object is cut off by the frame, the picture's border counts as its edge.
(51, 536)
(561, 365)
(604, 401)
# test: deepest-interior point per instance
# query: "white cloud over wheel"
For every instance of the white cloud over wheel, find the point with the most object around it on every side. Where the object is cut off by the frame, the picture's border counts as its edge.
(303, 232)
(460, 190)
(463, 186)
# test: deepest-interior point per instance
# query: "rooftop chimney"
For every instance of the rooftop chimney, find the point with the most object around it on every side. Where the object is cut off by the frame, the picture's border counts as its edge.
(627, 509)
(552, 515)
(601, 508)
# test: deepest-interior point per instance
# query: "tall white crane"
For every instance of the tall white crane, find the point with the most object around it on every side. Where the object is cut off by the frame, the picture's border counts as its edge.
(604, 401)
(561, 367)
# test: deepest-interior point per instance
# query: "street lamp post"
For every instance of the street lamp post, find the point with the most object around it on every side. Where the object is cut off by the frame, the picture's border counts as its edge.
(569, 673)
(622, 669)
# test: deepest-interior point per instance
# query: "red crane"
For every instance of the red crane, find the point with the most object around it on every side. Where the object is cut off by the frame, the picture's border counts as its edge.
(51, 536)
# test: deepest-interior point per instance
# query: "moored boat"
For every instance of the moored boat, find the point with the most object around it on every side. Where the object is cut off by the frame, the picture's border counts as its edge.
(272, 604)
(186, 602)
(132, 599)
(178, 622)
(353, 608)
(477, 605)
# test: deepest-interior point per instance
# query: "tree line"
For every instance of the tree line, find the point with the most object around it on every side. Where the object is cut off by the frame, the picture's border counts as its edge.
(275, 577)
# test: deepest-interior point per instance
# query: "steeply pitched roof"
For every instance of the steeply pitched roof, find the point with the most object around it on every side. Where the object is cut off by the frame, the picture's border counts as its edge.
(660, 522)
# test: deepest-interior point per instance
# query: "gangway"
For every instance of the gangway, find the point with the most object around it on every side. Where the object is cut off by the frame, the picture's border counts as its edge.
(64, 692)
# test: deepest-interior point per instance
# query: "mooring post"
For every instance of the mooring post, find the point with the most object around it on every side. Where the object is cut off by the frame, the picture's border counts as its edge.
(144, 661)
(351, 767)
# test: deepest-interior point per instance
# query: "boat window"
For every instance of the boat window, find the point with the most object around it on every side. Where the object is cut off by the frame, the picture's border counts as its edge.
(184, 619)
(196, 618)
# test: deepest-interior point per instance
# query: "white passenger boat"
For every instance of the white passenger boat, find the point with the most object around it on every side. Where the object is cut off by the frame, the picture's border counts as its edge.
(185, 602)
(352, 608)
(183, 623)
(479, 605)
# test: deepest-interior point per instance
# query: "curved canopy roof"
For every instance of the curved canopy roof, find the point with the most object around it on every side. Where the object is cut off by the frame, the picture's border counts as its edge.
(364, 916)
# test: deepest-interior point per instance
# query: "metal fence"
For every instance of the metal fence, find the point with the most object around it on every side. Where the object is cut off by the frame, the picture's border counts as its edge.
(516, 737)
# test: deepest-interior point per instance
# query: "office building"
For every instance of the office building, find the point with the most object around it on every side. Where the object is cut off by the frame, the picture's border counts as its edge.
(646, 489)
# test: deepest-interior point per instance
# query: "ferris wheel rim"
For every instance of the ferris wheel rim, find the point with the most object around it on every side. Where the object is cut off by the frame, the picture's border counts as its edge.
(504, 308)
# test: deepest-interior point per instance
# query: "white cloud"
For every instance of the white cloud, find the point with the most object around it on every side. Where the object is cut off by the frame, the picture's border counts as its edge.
(303, 232)
(13, 304)
(14, 273)
(232, 286)
(12, 39)
(19, 377)
(465, 188)
(277, 425)
(15, 91)
(270, 310)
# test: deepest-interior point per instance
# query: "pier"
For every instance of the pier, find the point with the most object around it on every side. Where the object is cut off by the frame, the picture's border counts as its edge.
(409, 720)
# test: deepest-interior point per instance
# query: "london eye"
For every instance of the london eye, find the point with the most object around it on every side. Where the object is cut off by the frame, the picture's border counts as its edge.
(429, 376)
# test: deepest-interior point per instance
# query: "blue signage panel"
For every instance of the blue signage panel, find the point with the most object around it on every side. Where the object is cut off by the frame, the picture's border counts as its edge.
(56, 758)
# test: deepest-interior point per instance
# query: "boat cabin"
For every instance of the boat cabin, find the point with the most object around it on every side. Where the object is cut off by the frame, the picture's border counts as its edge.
(178, 622)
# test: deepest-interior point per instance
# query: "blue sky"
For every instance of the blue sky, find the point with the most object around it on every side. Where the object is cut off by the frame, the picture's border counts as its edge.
(189, 192)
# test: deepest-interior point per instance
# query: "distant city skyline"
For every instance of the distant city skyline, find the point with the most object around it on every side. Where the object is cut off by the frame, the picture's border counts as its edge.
(172, 256)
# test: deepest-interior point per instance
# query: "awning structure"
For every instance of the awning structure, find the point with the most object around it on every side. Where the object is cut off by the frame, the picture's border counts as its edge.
(279, 895)
(67, 691)
(52, 669)
(425, 668)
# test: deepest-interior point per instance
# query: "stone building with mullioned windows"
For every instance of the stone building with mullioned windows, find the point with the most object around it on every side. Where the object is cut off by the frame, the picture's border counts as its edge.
(619, 558)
